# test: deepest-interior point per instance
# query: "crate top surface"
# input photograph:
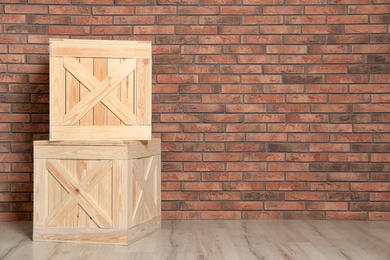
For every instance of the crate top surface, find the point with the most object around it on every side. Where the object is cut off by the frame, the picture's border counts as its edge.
(95, 142)
(100, 48)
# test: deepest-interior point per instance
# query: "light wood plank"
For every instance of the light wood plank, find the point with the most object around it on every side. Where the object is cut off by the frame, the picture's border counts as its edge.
(120, 203)
(87, 120)
(84, 200)
(57, 90)
(100, 73)
(89, 81)
(97, 132)
(101, 49)
(40, 192)
(72, 95)
(113, 65)
(98, 93)
(143, 91)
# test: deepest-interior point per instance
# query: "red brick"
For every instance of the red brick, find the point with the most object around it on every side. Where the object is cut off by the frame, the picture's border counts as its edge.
(296, 118)
(264, 176)
(262, 215)
(272, 10)
(296, 157)
(370, 186)
(215, 79)
(292, 59)
(222, 157)
(286, 49)
(201, 49)
(261, 79)
(284, 205)
(201, 186)
(336, 186)
(348, 19)
(264, 118)
(344, 59)
(205, 166)
(221, 215)
(264, 39)
(305, 196)
(211, 59)
(156, 10)
(261, 19)
(248, 147)
(198, 10)
(219, 20)
(327, 206)
(257, 137)
(263, 98)
(348, 176)
(179, 215)
(370, 49)
(192, 30)
(378, 215)
(283, 88)
(177, 157)
(82, 30)
(129, 20)
(182, 137)
(200, 205)
(346, 216)
(25, 9)
(180, 176)
(280, 29)
(262, 2)
(247, 166)
(172, 19)
(257, 59)
(367, 9)
(325, 9)
(207, 108)
(231, 137)
(331, 49)
(247, 108)
(348, 138)
(224, 176)
(242, 205)
(220, 196)
(202, 128)
(307, 19)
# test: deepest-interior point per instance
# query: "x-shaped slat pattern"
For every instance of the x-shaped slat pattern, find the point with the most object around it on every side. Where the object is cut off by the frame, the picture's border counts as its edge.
(78, 193)
(145, 197)
(99, 91)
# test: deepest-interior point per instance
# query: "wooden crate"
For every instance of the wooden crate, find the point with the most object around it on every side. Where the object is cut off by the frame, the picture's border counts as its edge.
(100, 90)
(96, 192)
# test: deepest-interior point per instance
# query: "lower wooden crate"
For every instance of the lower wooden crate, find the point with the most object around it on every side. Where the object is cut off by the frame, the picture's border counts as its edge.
(96, 192)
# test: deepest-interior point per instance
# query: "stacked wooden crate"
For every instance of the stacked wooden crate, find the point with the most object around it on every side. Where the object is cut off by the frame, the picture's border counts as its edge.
(98, 178)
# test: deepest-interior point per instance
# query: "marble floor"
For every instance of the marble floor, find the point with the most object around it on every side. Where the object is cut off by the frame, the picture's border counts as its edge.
(230, 239)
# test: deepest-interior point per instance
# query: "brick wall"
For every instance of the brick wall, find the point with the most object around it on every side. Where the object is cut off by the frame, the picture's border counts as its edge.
(267, 109)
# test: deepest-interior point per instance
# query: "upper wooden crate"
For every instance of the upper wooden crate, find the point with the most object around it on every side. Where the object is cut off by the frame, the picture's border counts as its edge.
(100, 90)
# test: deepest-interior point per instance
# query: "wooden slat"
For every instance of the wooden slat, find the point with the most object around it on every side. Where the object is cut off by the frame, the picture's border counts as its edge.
(82, 154)
(127, 92)
(98, 93)
(100, 73)
(143, 91)
(87, 64)
(93, 210)
(66, 206)
(100, 49)
(113, 65)
(119, 188)
(97, 132)
(95, 174)
(40, 192)
(57, 90)
(72, 94)
(89, 81)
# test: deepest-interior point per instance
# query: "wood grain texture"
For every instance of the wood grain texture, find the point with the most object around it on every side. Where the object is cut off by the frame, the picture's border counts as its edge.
(89, 186)
(93, 85)
(218, 239)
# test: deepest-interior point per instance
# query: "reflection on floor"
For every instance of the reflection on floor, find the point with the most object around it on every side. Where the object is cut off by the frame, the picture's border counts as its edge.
(218, 239)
